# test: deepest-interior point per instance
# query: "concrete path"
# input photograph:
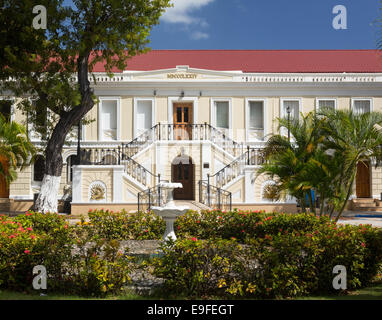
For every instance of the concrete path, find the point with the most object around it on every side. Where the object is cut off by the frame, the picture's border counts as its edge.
(375, 222)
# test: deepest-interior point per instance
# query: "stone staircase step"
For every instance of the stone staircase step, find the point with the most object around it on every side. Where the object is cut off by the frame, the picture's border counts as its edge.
(375, 209)
(193, 205)
(365, 205)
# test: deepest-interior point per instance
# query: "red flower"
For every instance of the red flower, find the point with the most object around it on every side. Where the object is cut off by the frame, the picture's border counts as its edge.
(26, 251)
(363, 244)
(29, 228)
(194, 239)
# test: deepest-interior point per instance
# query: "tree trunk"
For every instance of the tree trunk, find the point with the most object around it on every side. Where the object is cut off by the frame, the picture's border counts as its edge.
(47, 200)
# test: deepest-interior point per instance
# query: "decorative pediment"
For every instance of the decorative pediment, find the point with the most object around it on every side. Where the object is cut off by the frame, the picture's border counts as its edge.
(182, 73)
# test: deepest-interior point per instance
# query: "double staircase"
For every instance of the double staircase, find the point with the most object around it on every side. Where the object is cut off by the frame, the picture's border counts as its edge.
(211, 192)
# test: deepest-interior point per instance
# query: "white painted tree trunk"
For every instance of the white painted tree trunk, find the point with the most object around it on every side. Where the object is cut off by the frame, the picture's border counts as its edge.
(47, 200)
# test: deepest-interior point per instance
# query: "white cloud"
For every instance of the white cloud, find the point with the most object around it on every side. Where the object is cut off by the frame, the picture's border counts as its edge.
(198, 35)
(182, 12)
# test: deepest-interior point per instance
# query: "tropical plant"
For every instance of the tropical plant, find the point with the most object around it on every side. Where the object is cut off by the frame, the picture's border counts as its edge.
(15, 147)
(287, 158)
(79, 35)
(323, 155)
(354, 138)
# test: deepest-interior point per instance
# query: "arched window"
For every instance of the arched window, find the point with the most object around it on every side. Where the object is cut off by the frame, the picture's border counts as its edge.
(70, 162)
(39, 168)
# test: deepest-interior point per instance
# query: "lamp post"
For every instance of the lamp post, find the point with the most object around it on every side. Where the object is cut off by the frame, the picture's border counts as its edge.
(79, 144)
(288, 112)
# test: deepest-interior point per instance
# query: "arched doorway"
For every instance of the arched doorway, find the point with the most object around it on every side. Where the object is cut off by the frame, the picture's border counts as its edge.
(182, 170)
(4, 190)
(363, 180)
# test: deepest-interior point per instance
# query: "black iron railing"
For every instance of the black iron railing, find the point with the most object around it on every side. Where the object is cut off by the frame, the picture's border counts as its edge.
(214, 197)
(115, 156)
(155, 196)
(253, 156)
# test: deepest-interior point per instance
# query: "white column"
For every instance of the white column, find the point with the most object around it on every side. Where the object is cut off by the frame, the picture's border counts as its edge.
(77, 184)
(206, 158)
(249, 179)
(117, 184)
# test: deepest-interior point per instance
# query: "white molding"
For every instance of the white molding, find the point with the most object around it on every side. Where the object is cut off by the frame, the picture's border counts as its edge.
(153, 111)
(99, 120)
(77, 184)
(117, 184)
(21, 197)
(246, 120)
(170, 107)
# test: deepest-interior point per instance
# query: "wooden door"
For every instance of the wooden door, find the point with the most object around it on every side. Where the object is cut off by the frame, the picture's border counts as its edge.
(183, 121)
(363, 180)
(4, 190)
(183, 173)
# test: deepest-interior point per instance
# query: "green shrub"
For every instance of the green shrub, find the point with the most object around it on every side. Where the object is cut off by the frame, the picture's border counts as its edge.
(96, 268)
(75, 262)
(30, 240)
(126, 226)
(279, 264)
(196, 267)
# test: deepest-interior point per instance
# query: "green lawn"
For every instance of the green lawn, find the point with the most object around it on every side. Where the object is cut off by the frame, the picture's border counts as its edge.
(371, 293)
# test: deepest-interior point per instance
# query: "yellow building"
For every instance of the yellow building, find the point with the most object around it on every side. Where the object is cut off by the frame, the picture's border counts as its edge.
(201, 118)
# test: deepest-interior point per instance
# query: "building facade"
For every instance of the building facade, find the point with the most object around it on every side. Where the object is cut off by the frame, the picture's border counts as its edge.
(200, 118)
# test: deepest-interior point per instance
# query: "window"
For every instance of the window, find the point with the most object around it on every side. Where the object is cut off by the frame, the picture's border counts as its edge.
(6, 109)
(326, 103)
(144, 115)
(39, 168)
(37, 121)
(255, 120)
(70, 162)
(361, 105)
(109, 119)
(293, 106)
(294, 109)
(222, 114)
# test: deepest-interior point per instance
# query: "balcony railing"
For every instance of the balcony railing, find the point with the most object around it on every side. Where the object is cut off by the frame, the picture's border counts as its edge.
(176, 132)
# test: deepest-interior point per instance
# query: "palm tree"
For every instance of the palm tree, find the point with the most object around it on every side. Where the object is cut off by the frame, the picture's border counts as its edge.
(354, 137)
(15, 147)
(287, 160)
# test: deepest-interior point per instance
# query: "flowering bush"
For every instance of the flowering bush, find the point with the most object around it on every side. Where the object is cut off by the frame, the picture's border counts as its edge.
(243, 225)
(278, 262)
(29, 240)
(73, 260)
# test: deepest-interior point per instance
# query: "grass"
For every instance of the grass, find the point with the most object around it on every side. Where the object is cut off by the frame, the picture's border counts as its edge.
(10, 295)
(371, 293)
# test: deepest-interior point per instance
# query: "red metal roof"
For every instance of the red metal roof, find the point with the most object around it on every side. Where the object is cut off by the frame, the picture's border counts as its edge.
(272, 61)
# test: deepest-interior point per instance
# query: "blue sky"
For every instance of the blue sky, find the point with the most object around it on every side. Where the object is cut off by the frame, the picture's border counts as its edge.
(266, 24)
